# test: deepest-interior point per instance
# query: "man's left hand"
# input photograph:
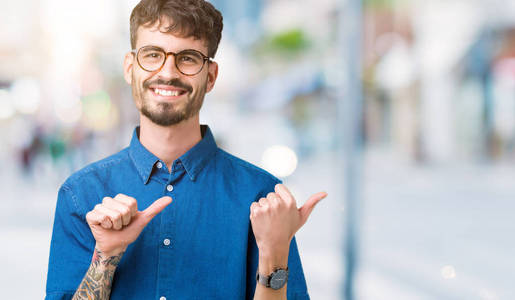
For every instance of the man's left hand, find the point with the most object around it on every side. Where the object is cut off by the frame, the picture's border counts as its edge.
(276, 218)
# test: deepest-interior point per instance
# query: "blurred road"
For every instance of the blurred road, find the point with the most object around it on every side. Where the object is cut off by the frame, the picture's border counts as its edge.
(438, 232)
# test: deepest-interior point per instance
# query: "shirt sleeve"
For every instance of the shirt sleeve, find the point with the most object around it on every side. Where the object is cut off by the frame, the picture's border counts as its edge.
(71, 247)
(296, 288)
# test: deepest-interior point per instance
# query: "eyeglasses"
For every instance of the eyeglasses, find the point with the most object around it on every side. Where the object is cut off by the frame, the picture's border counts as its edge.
(152, 58)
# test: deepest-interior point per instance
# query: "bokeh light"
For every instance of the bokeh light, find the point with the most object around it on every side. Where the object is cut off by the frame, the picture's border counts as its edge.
(68, 107)
(279, 160)
(6, 108)
(99, 113)
(448, 272)
(26, 95)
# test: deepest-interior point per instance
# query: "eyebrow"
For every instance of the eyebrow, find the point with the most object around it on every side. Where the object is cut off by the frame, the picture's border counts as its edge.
(152, 47)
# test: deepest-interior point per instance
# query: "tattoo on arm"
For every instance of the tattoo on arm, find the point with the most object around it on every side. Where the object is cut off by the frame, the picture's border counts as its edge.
(99, 277)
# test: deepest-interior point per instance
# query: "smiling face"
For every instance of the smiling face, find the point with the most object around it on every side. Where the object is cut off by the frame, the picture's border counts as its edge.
(166, 96)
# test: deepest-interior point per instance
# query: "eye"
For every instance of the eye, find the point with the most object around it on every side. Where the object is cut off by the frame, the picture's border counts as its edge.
(186, 58)
(153, 55)
(189, 58)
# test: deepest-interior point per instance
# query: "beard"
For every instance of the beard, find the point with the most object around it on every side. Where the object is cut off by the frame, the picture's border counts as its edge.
(167, 114)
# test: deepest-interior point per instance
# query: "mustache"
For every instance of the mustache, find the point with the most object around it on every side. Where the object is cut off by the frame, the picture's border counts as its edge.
(172, 82)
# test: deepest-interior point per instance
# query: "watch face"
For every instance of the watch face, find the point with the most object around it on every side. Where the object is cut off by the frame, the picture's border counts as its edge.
(279, 279)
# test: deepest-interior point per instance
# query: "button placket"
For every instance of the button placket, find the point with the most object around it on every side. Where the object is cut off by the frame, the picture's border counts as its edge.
(166, 245)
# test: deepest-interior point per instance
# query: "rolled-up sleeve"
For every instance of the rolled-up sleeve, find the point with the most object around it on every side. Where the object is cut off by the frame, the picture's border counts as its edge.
(71, 247)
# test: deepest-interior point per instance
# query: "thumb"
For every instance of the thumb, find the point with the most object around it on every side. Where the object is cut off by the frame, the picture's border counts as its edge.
(142, 218)
(307, 208)
(156, 207)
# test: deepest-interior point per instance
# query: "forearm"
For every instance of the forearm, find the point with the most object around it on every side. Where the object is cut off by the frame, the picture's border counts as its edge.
(97, 282)
(268, 263)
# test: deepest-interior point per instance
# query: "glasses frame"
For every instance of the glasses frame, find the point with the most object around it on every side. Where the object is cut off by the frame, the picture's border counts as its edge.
(204, 59)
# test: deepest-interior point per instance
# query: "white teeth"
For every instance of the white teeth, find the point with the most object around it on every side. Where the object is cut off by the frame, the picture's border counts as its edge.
(166, 93)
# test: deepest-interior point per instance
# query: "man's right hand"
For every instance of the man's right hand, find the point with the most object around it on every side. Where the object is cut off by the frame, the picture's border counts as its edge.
(116, 222)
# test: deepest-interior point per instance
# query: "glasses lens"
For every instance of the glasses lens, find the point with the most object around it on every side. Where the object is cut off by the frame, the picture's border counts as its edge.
(189, 61)
(151, 58)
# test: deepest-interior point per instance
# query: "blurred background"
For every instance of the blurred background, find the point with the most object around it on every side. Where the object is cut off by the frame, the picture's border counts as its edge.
(431, 210)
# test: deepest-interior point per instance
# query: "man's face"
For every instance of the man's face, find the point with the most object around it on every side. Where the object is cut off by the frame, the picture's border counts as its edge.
(166, 96)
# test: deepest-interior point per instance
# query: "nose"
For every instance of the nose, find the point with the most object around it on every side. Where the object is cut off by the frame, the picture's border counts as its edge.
(169, 70)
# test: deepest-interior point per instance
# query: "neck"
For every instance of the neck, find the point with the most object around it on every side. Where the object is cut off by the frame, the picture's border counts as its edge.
(169, 142)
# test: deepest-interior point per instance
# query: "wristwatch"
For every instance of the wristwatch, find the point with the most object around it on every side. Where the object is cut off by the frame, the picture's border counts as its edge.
(276, 280)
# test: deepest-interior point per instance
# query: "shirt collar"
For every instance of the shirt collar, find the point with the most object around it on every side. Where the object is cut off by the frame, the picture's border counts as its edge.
(193, 160)
(197, 157)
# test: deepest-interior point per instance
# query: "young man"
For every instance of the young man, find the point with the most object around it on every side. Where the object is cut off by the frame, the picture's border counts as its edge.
(113, 240)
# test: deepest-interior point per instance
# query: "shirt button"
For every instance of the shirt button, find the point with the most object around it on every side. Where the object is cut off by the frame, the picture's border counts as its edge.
(159, 165)
(169, 187)
(166, 242)
(162, 298)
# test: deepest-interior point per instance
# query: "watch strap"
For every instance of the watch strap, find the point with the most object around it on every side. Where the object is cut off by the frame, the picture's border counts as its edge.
(265, 280)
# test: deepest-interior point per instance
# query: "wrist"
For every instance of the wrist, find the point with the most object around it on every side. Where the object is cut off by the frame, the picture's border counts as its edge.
(271, 260)
(111, 256)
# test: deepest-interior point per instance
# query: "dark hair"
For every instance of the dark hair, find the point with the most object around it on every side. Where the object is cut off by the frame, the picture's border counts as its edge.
(190, 18)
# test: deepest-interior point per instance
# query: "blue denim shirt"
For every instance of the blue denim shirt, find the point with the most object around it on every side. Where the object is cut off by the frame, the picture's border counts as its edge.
(212, 252)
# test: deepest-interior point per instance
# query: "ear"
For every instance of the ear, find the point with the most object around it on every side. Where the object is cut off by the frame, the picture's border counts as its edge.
(211, 75)
(128, 63)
